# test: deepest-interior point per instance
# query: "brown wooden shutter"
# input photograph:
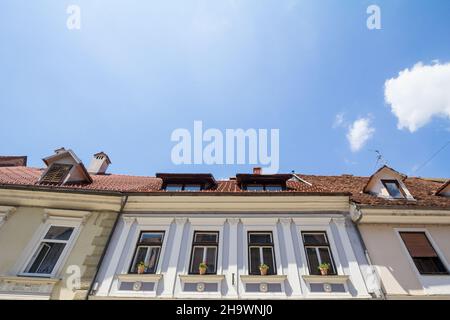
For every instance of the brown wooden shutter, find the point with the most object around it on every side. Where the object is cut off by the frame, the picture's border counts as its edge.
(418, 244)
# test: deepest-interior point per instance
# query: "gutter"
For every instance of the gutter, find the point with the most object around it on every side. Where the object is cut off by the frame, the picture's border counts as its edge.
(356, 216)
(102, 257)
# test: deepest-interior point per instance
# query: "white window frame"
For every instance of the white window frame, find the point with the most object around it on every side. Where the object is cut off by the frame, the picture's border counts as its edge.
(261, 247)
(38, 238)
(432, 283)
(330, 251)
(205, 248)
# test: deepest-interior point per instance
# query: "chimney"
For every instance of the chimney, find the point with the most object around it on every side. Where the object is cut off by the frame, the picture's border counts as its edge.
(257, 170)
(60, 150)
(99, 163)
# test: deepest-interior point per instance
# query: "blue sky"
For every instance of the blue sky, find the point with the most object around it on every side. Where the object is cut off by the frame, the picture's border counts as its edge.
(137, 70)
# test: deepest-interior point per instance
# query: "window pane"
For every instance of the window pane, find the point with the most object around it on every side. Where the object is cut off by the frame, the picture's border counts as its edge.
(192, 187)
(205, 237)
(393, 189)
(254, 187)
(197, 258)
(49, 253)
(325, 257)
(255, 260)
(430, 265)
(211, 260)
(152, 260)
(313, 261)
(314, 239)
(268, 259)
(174, 187)
(274, 188)
(151, 238)
(58, 233)
(139, 257)
(260, 238)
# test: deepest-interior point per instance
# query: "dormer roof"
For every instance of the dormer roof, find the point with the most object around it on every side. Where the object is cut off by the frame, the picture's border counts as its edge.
(383, 170)
(444, 190)
(64, 167)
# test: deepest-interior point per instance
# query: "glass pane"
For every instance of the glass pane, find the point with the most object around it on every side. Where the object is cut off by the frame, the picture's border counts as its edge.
(197, 258)
(260, 238)
(141, 252)
(47, 257)
(151, 238)
(430, 265)
(269, 260)
(206, 237)
(255, 187)
(393, 189)
(211, 260)
(325, 257)
(174, 187)
(313, 261)
(274, 188)
(152, 260)
(58, 233)
(255, 260)
(192, 187)
(314, 239)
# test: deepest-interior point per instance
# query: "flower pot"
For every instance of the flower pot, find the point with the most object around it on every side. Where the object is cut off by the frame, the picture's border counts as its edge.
(263, 271)
(140, 269)
(202, 271)
(324, 272)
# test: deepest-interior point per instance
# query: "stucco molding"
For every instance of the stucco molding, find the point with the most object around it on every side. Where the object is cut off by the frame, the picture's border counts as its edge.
(67, 214)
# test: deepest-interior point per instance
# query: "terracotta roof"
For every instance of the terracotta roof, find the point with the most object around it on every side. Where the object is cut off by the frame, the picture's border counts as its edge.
(25, 176)
(423, 190)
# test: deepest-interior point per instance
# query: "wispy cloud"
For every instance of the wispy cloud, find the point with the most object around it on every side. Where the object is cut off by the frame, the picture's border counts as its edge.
(419, 94)
(359, 132)
(339, 120)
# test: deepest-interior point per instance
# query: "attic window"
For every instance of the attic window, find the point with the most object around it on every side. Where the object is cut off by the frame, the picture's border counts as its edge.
(183, 187)
(394, 189)
(56, 173)
(263, 187)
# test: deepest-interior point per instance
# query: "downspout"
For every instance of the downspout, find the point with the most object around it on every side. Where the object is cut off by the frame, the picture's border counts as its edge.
(123, 202)
(356, 216)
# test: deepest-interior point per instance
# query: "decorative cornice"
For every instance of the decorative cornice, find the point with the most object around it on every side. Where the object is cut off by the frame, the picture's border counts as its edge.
(68, 214)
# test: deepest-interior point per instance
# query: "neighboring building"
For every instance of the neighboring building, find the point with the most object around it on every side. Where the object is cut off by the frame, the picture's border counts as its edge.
(146, 237)
(405, 225)
(13, 161)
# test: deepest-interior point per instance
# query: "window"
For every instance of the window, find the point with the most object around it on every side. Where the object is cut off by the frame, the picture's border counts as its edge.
(49, 251)
(393, 188)
(263, 187)
(260, 251)
(56, 173)
(184, 187)
(318, 251)
(147, 251)
(423, 254)
(204, 249)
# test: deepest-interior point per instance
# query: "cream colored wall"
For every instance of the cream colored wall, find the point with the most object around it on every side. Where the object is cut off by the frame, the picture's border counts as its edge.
(20, 228)
(390, 259)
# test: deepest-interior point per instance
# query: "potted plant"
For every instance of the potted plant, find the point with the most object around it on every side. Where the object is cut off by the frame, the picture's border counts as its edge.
(202, 267)
(263, 268)
(141, 267)
(324, 267)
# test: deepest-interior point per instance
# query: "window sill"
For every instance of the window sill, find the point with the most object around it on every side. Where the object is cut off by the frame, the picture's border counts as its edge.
(207, 278)
(263, 279)
(139, 277)
(23, 287)
(325, 279)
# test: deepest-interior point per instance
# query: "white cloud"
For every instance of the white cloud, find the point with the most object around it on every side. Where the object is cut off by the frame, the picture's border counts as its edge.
(359, 132)
(419, 94)
(338, 120)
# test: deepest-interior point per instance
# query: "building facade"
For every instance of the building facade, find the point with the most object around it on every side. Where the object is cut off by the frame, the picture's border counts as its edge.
(70, 232)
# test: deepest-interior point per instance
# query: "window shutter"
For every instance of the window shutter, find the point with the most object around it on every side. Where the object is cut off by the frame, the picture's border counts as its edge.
(418, 245)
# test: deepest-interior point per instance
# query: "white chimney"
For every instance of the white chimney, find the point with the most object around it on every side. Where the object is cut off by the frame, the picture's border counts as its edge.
(99, 163)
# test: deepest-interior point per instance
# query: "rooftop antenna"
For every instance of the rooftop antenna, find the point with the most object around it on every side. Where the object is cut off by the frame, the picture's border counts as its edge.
(380, 159)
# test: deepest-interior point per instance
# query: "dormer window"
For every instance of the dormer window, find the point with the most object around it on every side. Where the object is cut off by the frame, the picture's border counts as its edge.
(393, 188)
(263, 187)
(56, 174)
(189, 182)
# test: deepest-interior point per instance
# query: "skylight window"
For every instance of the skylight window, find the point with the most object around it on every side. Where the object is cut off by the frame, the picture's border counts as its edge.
(394, 189)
